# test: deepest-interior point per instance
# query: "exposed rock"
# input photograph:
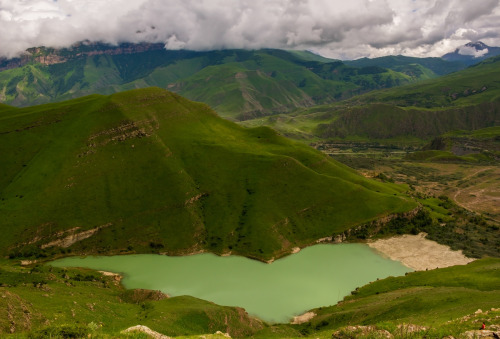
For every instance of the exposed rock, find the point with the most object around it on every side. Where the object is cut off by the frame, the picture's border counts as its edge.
(356, 331)
(75, 237)
(410, 328)
(481, 334)
(146, 330)
(303, 318)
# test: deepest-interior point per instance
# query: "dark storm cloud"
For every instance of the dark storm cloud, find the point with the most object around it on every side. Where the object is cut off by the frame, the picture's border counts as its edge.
(335, 28)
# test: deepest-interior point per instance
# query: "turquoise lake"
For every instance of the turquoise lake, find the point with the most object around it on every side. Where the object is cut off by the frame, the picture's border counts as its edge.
(319, 275)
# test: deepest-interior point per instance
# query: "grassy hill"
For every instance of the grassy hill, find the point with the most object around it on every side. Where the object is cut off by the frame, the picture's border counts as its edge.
(238, 84)
(477, 146)
(42, 301)
(465, 100)
(435, 299)
(149, 171)
(432, 66)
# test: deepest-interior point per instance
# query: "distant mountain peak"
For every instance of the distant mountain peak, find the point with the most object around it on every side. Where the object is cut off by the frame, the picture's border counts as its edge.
(478, 45)
(474, 49)
(472, 53)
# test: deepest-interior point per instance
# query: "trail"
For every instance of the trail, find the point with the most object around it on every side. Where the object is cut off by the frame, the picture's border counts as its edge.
(480, 192)
(460, 191)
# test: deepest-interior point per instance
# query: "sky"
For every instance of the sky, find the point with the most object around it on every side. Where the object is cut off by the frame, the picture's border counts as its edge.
(342, 29)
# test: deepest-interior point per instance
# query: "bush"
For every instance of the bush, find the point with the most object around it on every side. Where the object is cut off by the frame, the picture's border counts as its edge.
(62, 331)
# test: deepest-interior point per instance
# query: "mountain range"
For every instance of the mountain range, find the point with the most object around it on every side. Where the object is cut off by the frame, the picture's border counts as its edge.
(465, 100)
(238, 84)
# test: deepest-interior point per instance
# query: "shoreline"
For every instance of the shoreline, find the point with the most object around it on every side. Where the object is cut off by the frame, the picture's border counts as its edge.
(418, 252)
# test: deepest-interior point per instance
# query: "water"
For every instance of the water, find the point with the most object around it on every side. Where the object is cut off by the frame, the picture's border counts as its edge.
(320, 275)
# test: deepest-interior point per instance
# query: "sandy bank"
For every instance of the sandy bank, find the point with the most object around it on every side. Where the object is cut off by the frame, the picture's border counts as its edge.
(303, 318)
(419, 253)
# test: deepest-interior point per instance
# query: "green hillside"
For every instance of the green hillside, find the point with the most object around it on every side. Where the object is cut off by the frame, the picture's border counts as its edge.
(465, 100)
(477, 146)
(43, 301)
(238, 84)
(435, 299)
(437, 66)
(149, 171)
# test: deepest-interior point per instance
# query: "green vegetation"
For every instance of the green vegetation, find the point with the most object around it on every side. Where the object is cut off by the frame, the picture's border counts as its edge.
(238, 84)
(409, 65)
(44, 301)
(428, 298)
(465, 100)
(148, 171)
(41, 301)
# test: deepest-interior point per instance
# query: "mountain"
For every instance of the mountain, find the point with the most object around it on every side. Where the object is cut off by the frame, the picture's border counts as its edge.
(238, 84)
(423, 68)
(149, 171)
(472, 53)
(416, 113)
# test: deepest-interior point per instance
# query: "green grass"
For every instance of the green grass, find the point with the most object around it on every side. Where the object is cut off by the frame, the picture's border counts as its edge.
(428, 298)
(148, 164)
(44, 301)
(465, 100)
(39, 301)
(238, 84)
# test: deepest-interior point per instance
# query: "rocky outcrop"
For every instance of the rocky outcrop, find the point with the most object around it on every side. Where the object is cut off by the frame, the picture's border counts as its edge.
(361, 331)
(481, 334)
(146, 330)
(73, 238)
(373, 226)
(51, 56)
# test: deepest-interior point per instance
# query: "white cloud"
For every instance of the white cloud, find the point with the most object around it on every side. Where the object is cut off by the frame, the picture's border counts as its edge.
(336, 28)
(470, 50)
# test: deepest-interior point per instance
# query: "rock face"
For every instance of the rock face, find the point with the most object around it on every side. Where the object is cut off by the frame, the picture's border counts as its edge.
(51, 56)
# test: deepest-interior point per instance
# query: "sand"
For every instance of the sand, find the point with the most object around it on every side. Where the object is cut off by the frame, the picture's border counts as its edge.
(303, 318)
(419, 253)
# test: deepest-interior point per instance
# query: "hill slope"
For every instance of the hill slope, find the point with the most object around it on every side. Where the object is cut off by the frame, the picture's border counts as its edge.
(431, 299)
(149, 171)
(466, 100)
(410, 65)
(237, 83)
(41, 301)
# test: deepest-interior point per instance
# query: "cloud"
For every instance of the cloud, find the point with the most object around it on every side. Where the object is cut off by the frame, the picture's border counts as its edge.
(341, 29)
(470, 50)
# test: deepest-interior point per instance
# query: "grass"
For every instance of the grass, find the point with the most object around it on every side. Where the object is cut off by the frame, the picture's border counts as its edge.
(41, 301)
(465, 100)
(428, 298)
(148, 164)
(46, 301)
(238, 83)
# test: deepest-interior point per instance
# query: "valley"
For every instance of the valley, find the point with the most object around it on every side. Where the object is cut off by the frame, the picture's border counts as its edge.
(104, 153)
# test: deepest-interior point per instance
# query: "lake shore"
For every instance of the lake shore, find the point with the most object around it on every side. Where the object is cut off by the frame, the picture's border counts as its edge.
(419, 253)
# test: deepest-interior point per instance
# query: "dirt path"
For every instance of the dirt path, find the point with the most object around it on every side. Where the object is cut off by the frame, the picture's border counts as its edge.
(483, 196)
(459, 191)
(419, 253)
